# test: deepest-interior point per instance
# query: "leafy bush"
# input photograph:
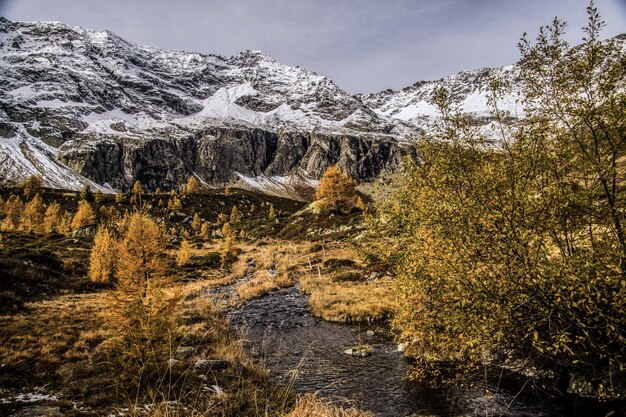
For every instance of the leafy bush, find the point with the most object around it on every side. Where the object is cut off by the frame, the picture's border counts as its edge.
(519, 248)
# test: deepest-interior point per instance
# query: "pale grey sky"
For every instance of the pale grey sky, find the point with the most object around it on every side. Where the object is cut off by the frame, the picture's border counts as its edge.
(363, 45)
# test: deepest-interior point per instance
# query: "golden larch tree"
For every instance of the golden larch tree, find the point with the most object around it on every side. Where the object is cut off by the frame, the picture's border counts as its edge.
(137, 192)
(32, 218)
(175, 204)
(336, 190)
(52, 218)
(193, 186)
(65, 225)
(142, 315)
(205, 232)
(103, 257)
(183, 256)
(84, 215)
(196, 224)
(99, 198)
(85, 193)
(234, 215)
(229, 245)
(14, 208)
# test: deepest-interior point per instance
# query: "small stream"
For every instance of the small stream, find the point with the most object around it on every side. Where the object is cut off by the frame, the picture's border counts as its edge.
(308, 354)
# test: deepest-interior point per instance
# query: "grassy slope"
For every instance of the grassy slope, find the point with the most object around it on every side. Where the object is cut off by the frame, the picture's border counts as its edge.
(51, 316)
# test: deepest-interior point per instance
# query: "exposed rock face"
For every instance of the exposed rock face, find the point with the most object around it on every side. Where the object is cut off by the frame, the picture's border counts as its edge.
(219, 156)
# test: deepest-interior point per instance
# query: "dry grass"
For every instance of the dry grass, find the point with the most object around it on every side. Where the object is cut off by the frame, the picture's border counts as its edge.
(349, 301)
(338, 292)
(312, 406)
(288, 260)
(51, 334)
(59, 344)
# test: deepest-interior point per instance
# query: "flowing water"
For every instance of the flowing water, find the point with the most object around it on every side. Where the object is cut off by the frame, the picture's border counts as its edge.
(308, 353)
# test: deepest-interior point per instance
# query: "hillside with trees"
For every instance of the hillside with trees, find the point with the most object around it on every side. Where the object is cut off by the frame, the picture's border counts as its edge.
(487, 277)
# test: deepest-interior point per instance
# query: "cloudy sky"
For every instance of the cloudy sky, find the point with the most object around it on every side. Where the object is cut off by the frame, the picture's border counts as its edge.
(363, 45)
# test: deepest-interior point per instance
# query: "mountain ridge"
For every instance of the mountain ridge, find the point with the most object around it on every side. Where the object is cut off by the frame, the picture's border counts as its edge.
(82, 107)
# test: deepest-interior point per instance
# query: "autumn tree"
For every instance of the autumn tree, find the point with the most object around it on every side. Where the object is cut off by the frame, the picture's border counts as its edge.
(175, 204)
(65, 225)
(119, 197)
(13, 218)
(84, 215)
(136, 192)
(33, 216)
(222, 218)
(52, 218)
(143, 315)
(234, 215)
(272, 212)
(360, 204)
(336, 190)
(196, 224)
(183, 256)
(229, 246)
(193, 185)
(32, 185)
(205, 231)
(519, 248)
(104, 256)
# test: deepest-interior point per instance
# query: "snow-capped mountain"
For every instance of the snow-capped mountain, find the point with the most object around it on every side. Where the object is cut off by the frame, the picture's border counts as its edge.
(84, 107)
(470, 90)
(77, 104)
